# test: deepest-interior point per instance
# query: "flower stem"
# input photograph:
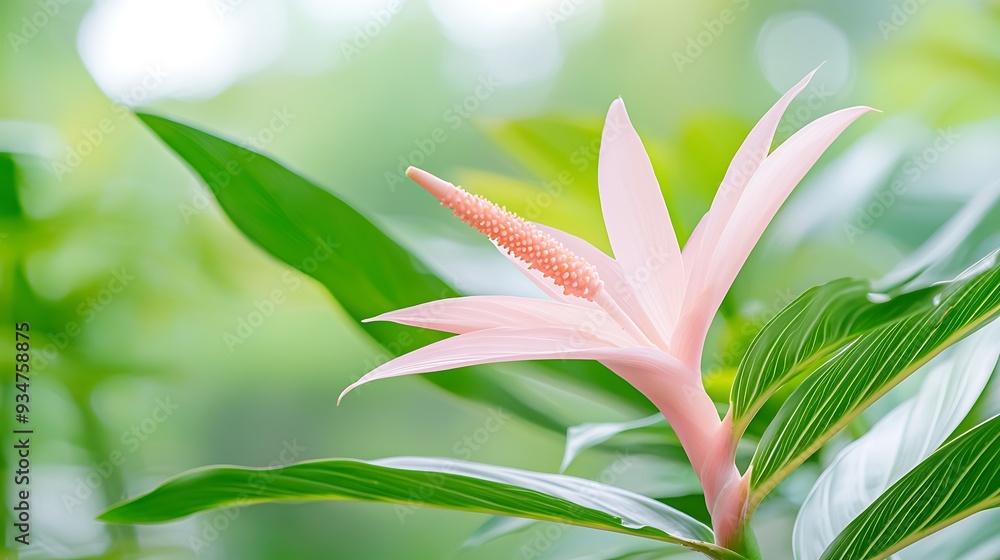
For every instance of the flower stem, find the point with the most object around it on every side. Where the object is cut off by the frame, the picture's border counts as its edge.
(744, 542)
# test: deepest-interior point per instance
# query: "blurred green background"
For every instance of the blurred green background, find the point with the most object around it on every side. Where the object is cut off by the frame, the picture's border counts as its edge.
(136, 286)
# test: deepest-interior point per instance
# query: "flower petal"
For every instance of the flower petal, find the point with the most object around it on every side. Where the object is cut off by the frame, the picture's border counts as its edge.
(475, 313)
(764, 194)
(490, 346)
(637, 220)
(703, 241)
(614, 282)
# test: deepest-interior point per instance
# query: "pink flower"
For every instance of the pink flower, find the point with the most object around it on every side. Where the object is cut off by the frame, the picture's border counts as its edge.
(645, 313)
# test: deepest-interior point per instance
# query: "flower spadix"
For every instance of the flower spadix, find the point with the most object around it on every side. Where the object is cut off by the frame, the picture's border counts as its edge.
(521, 239)
(643, 313)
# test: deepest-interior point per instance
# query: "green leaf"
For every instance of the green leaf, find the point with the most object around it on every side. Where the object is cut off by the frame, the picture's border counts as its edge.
(856, 377)
(416, 481)
(368, 273)
(551, 146)
(805, 333)
(956, 481)
(900, 441)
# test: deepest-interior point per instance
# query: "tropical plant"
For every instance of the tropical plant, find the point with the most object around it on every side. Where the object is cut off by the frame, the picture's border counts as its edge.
(811, 371)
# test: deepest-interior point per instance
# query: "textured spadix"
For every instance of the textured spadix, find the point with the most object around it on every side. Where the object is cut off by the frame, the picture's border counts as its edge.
(518, 237)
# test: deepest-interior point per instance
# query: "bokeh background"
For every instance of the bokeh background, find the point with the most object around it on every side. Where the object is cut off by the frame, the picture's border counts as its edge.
(132, 278)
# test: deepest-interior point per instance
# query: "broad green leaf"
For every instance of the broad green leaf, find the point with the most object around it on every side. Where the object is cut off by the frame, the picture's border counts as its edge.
(672, 482)
(956, 481)
(900, 441)
(367, 273)
(856, 377)
(804, 334)
(415, 481)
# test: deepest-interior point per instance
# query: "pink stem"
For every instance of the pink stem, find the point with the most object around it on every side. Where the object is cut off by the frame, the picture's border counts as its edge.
(705, 438)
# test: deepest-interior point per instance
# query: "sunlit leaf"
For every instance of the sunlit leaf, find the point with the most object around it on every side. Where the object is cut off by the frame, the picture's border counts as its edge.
(413, 481)
(900, 441)
(958, 480)
(807, 332)
(852, 380)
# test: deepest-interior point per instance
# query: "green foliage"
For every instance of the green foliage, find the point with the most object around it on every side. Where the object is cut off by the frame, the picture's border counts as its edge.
(804, 334)
(853, 379)
(956, 481)
(408, 482)
(849, 347)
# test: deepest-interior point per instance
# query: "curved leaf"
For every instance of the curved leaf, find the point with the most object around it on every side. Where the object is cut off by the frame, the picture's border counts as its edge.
(805, 333)
(973, 538)
(367, 273)
(847, 384)
(900, 441)
(417, 481)
(960, 479)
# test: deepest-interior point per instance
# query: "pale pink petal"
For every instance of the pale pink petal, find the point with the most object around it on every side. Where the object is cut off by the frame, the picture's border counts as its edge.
(490, 346)
(614, 282)
(637, 220)
(475, 313)
(701, 245)
(765, 193)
